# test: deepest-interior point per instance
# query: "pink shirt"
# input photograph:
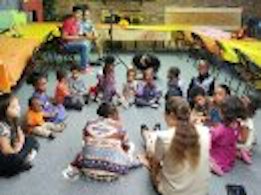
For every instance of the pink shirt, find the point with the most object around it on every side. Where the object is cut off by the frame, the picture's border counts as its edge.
(223, 146)
(71, 26)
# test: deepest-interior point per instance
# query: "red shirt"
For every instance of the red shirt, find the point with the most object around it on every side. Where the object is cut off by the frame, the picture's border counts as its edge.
(71, 26)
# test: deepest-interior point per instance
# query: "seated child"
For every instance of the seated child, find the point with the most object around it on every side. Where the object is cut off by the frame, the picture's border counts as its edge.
(77, 86)
(204, 79)
(174, 83)
(63, 95)
(35, 121)
(200, 105)
(130, 88)
(107, 153)
(247, 134)
(224, 136)
(221, 92)
(106, 86)
(147, 92)
(56, 113)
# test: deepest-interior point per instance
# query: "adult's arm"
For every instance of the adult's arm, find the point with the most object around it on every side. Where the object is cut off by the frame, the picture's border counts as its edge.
(7, 149)
(67, 37)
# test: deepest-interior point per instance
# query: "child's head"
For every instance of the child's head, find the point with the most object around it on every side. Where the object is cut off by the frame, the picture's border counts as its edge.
(131, 75)
(232, 109)
(148, 75)
(40, 84)
(109, 65)
(203, 67)
(10, 109)
(198, 97)
(251, 104)
(86, 13)
(108, 110)
(34, 104)
(77, 12)
(75, 72)
(220, 93)
(61, 76)
(173, 73)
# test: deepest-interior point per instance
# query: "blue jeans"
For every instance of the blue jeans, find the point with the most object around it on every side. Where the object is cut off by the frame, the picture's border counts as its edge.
(84, 49)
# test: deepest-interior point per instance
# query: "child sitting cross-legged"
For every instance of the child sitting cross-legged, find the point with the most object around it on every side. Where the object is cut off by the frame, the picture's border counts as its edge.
(56, 112)
(175, 87)
(224, 136)
(63, 94)
(200, 105)
(148, 93)
(129, 88)
(35, 121)
(77, 86)
(247, 134)
(105, 89)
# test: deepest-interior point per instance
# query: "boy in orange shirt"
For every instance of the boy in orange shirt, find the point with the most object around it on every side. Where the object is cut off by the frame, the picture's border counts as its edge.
(36, 123)
(63, 94)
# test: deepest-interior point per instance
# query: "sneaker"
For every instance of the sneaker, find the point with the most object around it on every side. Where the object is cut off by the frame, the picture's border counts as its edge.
(154, 105)
(71, 173)
(144, 127)
(31, 156)
(51, 136)
(157, 127)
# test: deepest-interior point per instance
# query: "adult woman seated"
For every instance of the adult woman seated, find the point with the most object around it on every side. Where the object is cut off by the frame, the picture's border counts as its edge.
(179, 160)
(16, 150)
(106, 153)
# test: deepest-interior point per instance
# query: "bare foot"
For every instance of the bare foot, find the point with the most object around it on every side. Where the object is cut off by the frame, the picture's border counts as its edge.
(144, 160)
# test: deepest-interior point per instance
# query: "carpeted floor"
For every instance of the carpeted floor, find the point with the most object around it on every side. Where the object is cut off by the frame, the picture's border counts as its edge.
(54, 156)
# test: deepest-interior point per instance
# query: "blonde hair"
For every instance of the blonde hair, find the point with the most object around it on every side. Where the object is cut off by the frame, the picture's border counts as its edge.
(185, 144)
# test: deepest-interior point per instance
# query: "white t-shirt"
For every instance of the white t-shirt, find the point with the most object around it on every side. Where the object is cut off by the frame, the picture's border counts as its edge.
(177, 180)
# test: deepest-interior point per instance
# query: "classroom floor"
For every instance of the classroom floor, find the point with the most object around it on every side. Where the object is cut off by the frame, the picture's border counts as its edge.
(46, 176)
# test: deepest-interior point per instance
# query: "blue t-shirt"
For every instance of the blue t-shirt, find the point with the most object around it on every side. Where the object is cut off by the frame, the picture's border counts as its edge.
(86, 27)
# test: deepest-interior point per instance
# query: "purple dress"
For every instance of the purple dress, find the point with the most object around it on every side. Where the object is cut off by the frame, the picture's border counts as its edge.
(147, 94)
(106, 85)
(48, 107)
(223, 146)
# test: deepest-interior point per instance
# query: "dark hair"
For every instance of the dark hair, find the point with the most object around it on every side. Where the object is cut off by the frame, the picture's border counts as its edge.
(37, 79)
(109, 60)
(14, 124)
(173, 72)
(232, 109)
(106, 109)
(185, 144)
(225, 88)
(33, 77)
(85, 7)
(76, 8)
(30, 101)
(74, 68)
(60, 75)
(196, 91)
